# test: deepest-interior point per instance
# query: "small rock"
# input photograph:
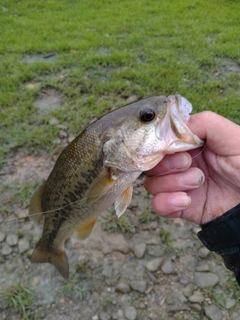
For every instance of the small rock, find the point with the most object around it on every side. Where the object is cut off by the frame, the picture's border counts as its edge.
(204, 280)
(213, 312)
(203, 268)
(53, 121)
(123, 287)
(130, 313)
(104, 316)
(62, 134)
(2, 236)
(23, 245)
(95, 317)
(150, 225)
(139, 250)
(107, 271)
(196, 297)
(168, 267)
(70, 139)
(196, 306)
(203, 252)
(139, 285)
(118, 243)
(132, 98)
(230, 303)
(12, 239)
(57, 141)
(154, 265)
(6, 250)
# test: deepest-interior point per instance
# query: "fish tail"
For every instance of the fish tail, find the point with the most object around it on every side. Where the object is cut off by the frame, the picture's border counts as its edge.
(57, 258)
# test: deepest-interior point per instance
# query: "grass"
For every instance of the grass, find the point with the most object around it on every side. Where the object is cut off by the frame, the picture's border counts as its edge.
(114, 224)
(107, 51)
(71, 290)
(19, 297)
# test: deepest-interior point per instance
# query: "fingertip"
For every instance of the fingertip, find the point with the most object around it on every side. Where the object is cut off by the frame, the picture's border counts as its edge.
(170, 204)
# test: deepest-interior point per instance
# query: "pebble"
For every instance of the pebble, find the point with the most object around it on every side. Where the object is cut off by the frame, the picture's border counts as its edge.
(53, 121)
(23, 245)
(132, 98)
(107, 271)
(62, 134)
(230, 303)
(203, 252)
(205, 279)
(2, 236)
(6, 250)
(12, 239)
(196, 297)
(104, 316)
(139, 285)
(154, 265)
(123, 287)
(168, 266)
(213, 312)
(130, 313)
(203, 268)
(139, 250)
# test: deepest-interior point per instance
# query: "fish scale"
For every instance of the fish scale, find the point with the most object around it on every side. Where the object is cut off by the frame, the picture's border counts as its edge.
(98, 169)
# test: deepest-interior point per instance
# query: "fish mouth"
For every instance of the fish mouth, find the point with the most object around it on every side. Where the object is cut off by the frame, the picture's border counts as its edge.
(173, 127)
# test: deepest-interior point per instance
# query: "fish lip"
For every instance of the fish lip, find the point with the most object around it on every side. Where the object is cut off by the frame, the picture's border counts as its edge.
(173, 126)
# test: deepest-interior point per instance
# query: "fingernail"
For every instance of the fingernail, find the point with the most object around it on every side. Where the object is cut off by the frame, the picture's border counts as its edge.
(180, 201)
(178, 161)
(192, 177)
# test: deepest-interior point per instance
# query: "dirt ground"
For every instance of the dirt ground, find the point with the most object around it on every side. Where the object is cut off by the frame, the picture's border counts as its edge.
(156, 269)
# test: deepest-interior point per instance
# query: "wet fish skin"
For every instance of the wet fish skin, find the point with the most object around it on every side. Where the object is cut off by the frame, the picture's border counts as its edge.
(99, 167)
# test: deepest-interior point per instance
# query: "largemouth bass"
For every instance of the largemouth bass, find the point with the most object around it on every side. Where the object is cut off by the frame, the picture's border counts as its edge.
(99, 166)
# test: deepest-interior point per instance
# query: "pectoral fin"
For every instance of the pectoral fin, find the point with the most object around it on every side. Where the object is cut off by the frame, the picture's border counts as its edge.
(123, 201)
(35, 207)
(100, 188)
(84, 231)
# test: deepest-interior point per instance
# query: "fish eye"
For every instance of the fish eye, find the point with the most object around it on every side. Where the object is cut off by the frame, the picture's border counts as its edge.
(147, 115)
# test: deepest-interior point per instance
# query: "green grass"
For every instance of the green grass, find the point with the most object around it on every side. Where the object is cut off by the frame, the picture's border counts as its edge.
(19, 297)
(107, 51)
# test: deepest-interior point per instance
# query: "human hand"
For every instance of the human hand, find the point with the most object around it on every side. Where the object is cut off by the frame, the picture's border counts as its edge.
(204, 183)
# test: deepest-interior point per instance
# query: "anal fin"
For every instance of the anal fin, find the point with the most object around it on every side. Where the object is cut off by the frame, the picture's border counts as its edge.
(35, 207)
(58, 259)
(123, 201)
(84, 231)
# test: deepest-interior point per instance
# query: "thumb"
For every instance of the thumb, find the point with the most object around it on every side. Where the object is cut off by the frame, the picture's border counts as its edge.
(222, 136)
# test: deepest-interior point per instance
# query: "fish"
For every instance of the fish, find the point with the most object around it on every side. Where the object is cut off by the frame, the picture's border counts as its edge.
(98, 169)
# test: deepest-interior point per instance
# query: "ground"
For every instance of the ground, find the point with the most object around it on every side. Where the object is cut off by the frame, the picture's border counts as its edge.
(147, 268)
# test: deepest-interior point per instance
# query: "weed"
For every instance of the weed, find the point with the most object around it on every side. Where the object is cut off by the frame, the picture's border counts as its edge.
(114, 224)
(20, 298)
(145, 217)
(166, 238)
(71, 290)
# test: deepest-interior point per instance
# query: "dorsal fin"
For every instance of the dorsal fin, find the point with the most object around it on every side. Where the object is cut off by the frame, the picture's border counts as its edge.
(35, 207)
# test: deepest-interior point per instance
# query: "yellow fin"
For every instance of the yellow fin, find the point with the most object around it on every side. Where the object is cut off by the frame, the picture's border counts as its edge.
(99, 189)
(84, 231)
(35, 207)
(123, 201)
(57, 258)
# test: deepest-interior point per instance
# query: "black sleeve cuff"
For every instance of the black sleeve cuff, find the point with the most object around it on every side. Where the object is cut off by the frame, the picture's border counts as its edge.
(222, 235)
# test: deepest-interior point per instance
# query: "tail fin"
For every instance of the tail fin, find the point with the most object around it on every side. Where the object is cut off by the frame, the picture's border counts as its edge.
(57, 258)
